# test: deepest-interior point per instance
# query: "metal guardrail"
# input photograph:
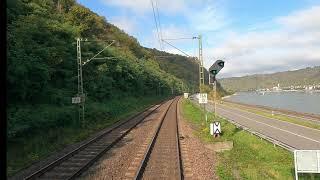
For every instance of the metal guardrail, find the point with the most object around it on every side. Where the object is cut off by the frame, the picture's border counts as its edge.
(265, 137)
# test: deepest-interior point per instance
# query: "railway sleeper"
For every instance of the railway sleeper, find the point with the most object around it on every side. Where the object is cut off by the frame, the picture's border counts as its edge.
(56, 175)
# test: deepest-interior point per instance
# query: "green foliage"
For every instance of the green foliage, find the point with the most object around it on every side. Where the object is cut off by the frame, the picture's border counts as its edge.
(60, 129)
(250, 158)
(42, 74)
(182, 67)
(42, 64)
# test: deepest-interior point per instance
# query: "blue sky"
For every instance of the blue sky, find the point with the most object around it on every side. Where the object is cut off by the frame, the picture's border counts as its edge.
(252, 36)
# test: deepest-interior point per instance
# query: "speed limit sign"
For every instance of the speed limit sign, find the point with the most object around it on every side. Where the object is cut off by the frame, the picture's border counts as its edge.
(203, 98)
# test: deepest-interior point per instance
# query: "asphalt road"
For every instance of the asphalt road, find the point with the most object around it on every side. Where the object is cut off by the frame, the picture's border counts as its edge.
(296, 136)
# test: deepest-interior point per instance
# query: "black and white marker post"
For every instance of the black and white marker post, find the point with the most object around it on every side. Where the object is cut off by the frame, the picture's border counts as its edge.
(215, 129)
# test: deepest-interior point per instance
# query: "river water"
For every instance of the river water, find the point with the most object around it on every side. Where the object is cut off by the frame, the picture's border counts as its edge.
(308, 102)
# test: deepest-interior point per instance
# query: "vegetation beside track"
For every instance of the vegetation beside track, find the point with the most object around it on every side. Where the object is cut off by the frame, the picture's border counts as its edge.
(250, 158)
(25, 150)
(42, 77)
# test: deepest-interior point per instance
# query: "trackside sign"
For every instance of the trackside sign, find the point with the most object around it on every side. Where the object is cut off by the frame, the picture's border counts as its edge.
(306, 161)
(203, 98)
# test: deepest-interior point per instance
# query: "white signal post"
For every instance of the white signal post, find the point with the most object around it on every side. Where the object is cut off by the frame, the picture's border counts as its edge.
(213, 71)
(215, 99)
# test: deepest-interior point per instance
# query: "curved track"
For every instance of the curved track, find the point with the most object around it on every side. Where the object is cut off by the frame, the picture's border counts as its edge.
(72, 164)
(163, 157)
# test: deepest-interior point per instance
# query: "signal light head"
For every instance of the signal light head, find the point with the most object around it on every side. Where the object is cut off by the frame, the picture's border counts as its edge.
(221, 64)
(214, 72)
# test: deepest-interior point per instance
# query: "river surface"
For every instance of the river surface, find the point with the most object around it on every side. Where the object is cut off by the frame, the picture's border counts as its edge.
(308, 102)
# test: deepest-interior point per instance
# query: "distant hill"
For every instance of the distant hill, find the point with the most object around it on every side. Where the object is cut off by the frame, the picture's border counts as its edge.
(307, 76)
(182, 67)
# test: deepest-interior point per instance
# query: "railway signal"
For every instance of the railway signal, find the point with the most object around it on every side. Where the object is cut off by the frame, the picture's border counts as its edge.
(216, 67)
(213, 71)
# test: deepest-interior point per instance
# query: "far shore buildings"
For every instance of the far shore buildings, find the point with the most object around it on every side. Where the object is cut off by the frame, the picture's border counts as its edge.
(277, 88)
(292, 88)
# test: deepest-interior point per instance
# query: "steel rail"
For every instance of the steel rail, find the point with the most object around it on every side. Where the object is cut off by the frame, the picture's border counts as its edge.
(58, 161)
(151, 146)
(178, 140)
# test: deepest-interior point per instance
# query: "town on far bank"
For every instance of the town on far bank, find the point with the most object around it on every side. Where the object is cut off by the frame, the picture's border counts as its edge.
(305, 88)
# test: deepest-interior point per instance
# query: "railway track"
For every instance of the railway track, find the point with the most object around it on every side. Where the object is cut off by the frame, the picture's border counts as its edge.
(160, 156)
(74, 163)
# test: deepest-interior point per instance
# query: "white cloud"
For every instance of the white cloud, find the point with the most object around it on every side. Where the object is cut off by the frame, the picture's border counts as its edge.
(295, 44)
(136, 5)
(209, 17)
(171, 32)
(129, 25)
(143, 6)
(193, 17)
(278, 44)
(302, 20)
(202, 15)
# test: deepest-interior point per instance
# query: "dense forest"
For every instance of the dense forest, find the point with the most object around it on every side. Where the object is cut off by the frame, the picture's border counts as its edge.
(185, 68)
(42, 76)
(42, 65)
(301, 77)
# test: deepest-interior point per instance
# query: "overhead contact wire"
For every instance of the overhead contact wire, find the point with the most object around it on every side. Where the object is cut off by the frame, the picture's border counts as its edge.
(155, 19)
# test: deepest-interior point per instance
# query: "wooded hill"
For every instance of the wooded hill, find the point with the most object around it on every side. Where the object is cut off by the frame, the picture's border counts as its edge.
(183, 67)
(301, 77)
(42, 76)
(42, 66)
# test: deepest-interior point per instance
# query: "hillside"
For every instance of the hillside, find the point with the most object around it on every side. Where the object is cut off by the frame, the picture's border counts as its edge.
(182, 67)
(42, 76)
(301, 77)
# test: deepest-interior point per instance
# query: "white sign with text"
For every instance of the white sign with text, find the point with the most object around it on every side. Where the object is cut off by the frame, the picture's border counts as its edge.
(203, 98)
(76, 100)
(306, 161)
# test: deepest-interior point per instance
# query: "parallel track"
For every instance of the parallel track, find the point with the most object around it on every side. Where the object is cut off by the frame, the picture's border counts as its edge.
(74, 163)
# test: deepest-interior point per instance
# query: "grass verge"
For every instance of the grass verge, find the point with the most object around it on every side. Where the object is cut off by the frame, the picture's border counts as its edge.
(25, 150)
(278, 116)
(250, 158)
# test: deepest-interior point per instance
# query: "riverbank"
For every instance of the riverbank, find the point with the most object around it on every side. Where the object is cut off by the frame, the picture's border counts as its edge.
(284, 111)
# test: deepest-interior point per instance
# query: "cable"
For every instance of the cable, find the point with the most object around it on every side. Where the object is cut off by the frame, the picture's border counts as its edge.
(159, 23)
(155, 19)
(177, 38)
(176, 48)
